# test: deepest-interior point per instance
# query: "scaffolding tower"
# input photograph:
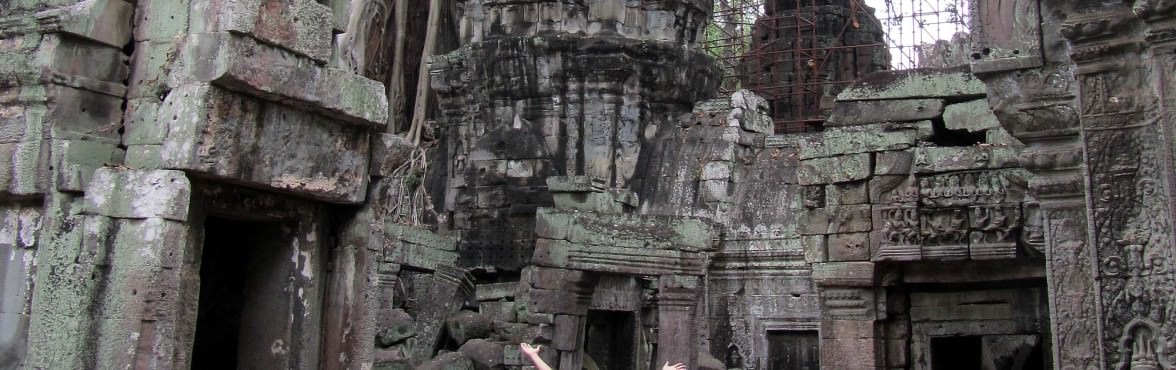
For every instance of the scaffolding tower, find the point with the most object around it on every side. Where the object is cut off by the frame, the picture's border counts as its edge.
(798, 54)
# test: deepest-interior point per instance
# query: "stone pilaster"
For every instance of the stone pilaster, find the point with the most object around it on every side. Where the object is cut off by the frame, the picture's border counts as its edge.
(677, 310)
(849, 331)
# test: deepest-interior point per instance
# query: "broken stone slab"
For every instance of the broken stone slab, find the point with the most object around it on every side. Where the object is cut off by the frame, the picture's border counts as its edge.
(449, 361)
(242, 64)
(833, 170)
(619, 260)
(915, 83)
(450, 288)
(962, 158)
(466, 325)
(396, 326)
(633, 230)
(815, 248)
(301, 26)
(223, 134)
(850, 113)
(139, 194)
(973, 116)
(863, 139)
(486, 355)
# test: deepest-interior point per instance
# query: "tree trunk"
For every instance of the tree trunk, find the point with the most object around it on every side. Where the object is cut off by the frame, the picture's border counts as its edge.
(420, 110)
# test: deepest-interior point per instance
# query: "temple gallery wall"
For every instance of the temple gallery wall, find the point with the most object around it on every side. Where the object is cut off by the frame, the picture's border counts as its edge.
(373, 184)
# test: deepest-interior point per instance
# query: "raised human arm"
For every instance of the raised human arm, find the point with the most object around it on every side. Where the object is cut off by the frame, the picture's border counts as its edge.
(533, 354)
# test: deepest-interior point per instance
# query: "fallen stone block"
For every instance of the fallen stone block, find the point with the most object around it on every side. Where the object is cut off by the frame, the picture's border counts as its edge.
(486, 355)
(466, 325)
(394, 327)
(448, 361)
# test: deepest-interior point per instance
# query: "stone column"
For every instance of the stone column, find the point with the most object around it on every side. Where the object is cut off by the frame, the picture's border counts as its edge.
(677, 330)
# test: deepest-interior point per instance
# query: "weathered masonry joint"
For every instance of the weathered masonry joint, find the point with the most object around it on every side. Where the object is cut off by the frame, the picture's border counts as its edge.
(390, 184)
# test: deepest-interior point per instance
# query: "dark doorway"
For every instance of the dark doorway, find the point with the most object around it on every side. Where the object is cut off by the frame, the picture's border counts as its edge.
(794, 350)
(244, 309)
(956, 353)
(609, 340)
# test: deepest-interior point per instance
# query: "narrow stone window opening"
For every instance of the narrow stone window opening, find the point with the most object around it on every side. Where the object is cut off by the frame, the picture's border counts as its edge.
(941, 136)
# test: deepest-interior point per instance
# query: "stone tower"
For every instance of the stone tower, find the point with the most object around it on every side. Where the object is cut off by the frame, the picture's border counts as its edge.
(543, 89)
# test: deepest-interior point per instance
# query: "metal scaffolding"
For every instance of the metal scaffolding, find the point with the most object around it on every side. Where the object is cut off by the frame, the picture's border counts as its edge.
(798, 54)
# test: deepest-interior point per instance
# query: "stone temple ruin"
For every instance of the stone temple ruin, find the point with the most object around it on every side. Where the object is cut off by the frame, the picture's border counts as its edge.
(211, 184)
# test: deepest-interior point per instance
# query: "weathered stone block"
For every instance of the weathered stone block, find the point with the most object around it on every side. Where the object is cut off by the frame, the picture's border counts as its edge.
(587, 201)
(815, 248)
(219, 133)
(849, 113)
(160, 20)
(894, 189)
(641, 231)
(104, 21)
(839, 141)
(847, 194)
(499, 311)
(914, 83)
(832, 170)
(558, 184)
(974, 116)
(466, 325)
(893, 162)
(834, 220)
(619, 260)
(495, 291)
(240, 63)
(849, 247)
(716, 171)
(301, 26)
(139, 194)
(388, 153)
(28, 172)
(77, 160)
(448, 361)
(486, 355)
(844, 274)
(947, 159)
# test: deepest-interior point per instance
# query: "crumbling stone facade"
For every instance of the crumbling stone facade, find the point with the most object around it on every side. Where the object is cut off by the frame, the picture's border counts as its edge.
(206, 184)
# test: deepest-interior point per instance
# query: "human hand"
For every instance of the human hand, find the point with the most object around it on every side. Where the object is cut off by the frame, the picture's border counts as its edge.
(532, 351)
(677, 366)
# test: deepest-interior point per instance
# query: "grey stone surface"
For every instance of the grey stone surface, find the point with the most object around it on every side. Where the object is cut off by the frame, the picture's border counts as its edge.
(879, 111)
(914, 83)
